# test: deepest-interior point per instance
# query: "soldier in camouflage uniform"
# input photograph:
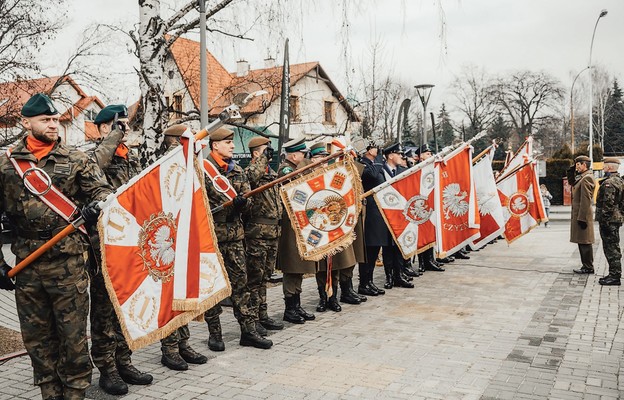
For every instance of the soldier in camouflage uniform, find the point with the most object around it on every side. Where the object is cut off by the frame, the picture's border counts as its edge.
(109, 349)
(51, 293)
(230, 233)
(177, 353)
(610, 218)
(262, 230)
(288, 259)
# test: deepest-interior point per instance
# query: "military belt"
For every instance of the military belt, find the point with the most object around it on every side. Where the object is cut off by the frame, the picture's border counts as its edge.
(226, 219)
(265, 221)
(45, 234)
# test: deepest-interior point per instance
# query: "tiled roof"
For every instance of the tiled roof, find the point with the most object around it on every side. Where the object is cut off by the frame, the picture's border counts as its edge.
(13, 96)
(222, 85)
(81, 105)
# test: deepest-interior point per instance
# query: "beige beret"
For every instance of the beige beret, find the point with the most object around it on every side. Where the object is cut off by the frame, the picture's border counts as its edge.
(257, 141)
(175, 130)
(612, 160)
(222, 134)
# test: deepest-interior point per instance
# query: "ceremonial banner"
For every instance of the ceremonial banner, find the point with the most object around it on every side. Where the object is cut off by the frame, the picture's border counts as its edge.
(521, 157)
(458, 220)
(323, 207)
(407, 206)
(523, 209)
(490, 209)
(159, 250)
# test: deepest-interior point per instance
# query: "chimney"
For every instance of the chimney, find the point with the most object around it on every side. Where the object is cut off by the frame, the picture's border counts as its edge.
(269, 62)
(242, 68)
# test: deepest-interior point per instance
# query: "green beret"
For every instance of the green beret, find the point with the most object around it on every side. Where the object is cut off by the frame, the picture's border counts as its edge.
(175, 130)
(318, 149)
(612, 160)
(108, 113)
(582, 159)
(295, 145)
(222, 134)
(257, 141)
(39, 104)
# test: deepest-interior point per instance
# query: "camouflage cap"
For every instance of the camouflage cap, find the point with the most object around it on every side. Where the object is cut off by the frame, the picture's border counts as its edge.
(612, 160)
(108, 113)
(222, 134)
(257, 141)
(175, 130)
(39, 104)
(582, 159)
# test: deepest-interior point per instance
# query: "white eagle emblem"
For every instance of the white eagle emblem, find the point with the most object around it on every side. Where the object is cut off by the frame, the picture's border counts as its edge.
(518, 205)
(161, 248)
(453, 201)
(485, 205)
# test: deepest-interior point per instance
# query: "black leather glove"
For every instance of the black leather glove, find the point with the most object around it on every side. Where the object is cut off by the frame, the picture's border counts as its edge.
(269, 152)
(91, 212)
(121, 126)
(5, 282)
(239, 202)
(582, 224)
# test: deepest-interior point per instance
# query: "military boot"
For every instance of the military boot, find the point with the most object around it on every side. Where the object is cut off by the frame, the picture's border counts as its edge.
(322, 305)
(399, 281)
(306, 315)
(251, 338)
(347, 295)
(421, 263)
(130, 374)
(174, 361)
(429, 262)
(332, 303)
(112, 383)
(260, 329)
(268, 322)
(374, 288)
(354, 293)
(610, 280)
(191, 356)
(215, 338)
(290, 312)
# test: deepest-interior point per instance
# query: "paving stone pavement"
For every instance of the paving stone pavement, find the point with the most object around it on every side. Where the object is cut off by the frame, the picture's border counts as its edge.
(512, 322)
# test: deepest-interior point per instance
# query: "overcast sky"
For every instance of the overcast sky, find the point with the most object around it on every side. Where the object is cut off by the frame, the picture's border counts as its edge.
(500, 35)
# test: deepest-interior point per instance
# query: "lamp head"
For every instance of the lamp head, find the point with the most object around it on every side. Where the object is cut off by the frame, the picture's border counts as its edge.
(603, 13)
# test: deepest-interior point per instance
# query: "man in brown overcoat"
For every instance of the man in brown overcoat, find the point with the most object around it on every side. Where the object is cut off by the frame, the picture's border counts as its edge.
(582, 219)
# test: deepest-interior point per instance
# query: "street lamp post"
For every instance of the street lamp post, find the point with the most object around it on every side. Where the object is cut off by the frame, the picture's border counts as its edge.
(591, 91)
(424, 92)
(572, 108)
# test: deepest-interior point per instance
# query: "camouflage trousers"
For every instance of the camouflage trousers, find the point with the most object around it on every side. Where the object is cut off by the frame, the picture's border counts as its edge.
(261, 257)
(176, 341)
(52, 303)
(108, 345)
(610, 236)
(233, 254)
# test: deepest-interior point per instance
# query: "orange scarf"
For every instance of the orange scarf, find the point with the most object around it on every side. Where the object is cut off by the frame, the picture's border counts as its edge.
(222, 164)
(122, 151)
(38, 148)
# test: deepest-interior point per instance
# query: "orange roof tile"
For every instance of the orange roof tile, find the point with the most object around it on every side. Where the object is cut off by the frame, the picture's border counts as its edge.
(81, 105)
(222, 85)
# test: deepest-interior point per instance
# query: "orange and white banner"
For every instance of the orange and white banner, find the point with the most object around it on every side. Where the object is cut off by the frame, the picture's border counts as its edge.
(160, 261)
(323, 207)
(458, 220)
(407, 206)
(522, 204)
(490, 207)
(520, 157)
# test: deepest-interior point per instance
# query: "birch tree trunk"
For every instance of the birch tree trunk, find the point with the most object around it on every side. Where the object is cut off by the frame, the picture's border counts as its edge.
(152, 52)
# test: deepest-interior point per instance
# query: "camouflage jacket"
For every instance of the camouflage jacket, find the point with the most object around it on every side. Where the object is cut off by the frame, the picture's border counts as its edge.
(262, 220)
(228, 223)
(73, 174)
(118, 170)
(609, 199)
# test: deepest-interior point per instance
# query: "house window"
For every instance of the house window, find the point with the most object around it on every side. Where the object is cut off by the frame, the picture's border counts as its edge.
(328, 110)
(294, 109)
(177, 105)
(90, 115)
